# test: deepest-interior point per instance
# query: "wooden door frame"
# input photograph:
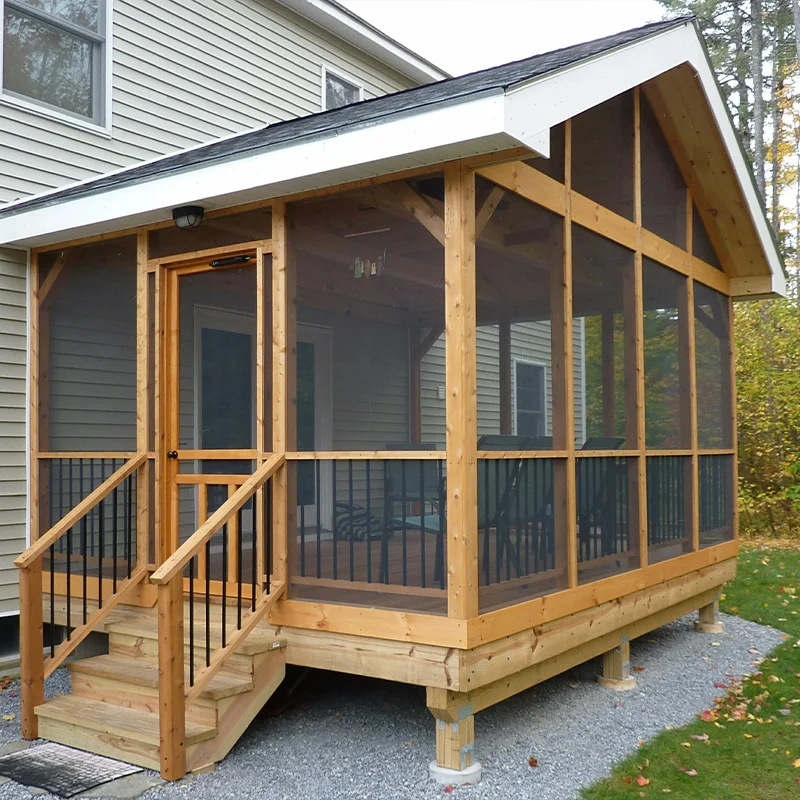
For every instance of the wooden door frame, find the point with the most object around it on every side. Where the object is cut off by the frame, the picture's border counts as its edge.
(169, 272)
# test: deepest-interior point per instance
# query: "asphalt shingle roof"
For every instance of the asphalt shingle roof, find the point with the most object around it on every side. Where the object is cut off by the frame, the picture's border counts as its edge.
(360, 114)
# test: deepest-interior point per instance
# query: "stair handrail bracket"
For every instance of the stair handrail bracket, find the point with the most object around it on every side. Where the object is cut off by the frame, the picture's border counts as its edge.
(34, 667)
(174, 695)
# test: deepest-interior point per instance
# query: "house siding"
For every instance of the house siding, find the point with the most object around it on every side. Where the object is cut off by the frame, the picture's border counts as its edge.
(13, 356)
(238, 64)
(530, 341)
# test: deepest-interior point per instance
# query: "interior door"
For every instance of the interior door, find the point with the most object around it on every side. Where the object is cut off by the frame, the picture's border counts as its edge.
(210, 390)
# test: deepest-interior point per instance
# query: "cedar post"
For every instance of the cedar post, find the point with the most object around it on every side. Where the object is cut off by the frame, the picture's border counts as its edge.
(31, 647)
(461, 403)
(284, 388)
(171, 705)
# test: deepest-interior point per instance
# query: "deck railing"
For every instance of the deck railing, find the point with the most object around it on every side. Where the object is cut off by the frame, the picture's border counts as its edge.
(84, 572)
(194, 564)
(371, 528)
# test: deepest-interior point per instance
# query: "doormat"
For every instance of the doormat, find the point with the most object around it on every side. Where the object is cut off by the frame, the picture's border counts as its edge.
(61, 770)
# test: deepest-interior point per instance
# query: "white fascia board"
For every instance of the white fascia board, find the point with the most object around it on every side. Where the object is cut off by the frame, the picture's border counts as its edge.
(420, 139)
(554, 98)
(367, 38)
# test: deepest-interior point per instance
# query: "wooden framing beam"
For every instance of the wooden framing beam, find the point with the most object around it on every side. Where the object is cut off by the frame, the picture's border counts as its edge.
(461, 403)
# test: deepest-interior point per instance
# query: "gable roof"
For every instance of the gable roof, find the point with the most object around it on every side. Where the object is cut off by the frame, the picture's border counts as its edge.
(352, 28)
(490, 110)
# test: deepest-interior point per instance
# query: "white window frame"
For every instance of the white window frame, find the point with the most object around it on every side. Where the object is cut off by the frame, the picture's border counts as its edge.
(515, 406)
(102, 80)
(342, 75)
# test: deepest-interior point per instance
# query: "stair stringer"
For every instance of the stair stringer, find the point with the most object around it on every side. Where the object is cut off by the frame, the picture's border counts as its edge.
(236, 713)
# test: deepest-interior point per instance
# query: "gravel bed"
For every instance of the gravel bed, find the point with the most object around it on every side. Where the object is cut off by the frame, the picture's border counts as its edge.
(350, 737)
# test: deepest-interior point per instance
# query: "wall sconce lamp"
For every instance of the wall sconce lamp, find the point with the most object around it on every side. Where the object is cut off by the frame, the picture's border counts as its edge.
(187, 216)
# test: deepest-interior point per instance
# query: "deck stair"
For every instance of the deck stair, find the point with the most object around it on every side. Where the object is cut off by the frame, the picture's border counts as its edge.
(113, 709)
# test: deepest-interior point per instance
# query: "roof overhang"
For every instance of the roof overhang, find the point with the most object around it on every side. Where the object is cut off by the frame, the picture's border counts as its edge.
(463, 127)
(361, 34)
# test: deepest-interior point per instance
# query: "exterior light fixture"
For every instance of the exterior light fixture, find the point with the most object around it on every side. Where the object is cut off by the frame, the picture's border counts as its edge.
(187, 216)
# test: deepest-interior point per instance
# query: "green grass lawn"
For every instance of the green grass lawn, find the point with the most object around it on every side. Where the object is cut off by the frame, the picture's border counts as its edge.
(748, 746)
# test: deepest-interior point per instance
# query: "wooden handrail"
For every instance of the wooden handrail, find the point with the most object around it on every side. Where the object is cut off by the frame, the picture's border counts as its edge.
(43, 543)
(180, 558)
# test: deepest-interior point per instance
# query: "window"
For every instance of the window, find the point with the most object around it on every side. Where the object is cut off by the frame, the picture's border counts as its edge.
(54, 54)
(338, 91)
(529, 399)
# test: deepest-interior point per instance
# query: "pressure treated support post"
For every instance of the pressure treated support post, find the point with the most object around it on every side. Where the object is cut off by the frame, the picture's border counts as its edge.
(31, 650)
(708, 621)
(171, 701)
(617, 668)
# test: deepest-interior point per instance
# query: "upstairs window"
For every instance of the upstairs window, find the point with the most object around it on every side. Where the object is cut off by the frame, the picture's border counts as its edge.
(338, 91)
(54, 55)
(529, 399)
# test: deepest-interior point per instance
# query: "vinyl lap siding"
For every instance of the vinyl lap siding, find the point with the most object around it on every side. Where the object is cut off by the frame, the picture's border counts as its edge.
(12, 422)
(235, 65)
(530, 341)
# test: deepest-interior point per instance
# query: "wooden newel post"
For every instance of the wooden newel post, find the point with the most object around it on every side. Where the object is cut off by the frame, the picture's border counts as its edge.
(31, 648)
(171, 702)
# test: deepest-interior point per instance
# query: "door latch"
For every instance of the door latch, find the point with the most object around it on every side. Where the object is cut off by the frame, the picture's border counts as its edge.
(172, 454)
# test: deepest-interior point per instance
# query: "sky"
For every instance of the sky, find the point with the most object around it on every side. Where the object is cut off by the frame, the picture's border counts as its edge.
(465, 35)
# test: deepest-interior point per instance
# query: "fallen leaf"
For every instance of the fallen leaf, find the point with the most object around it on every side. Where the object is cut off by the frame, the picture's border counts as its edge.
(718, 685)
(9, 717)
(448, 789)
(532, 762)
(640, 742)
(796, 763)
(713, 644)
(642, 781)
(574, 686)
(700, 737)
(638, 669)
(627, 779)
(686, 744)
(692, 773)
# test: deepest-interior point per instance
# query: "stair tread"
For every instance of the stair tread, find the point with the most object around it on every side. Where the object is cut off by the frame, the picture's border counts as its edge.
(144, 672)
(140, 726)
(256, 642)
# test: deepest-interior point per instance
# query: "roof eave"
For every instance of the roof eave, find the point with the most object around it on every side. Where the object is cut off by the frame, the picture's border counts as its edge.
(358, 32)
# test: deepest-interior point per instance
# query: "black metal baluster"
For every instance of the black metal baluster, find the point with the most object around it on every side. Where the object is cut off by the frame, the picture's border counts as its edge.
(52, 601)
(303, 540)
(350, 500)
(368, 467)
(239, 520)
(69, 582)
(518, 532)
(267, 529)
(318, 490)
(61, 499)
(192, 571)
(405, 520)
(100, 538)
(223, 610)
(254, 578)
(85, 564)
(422, 522)
(114, 544)
(91, 487)
(506, 517)
(335, 525)
(442, 524)
(208, 602)
(487, 566)
(527, 515)
(497, 559)
(128, 501)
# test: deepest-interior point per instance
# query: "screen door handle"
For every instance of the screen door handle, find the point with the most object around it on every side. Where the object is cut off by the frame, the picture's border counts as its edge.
(172, 454)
